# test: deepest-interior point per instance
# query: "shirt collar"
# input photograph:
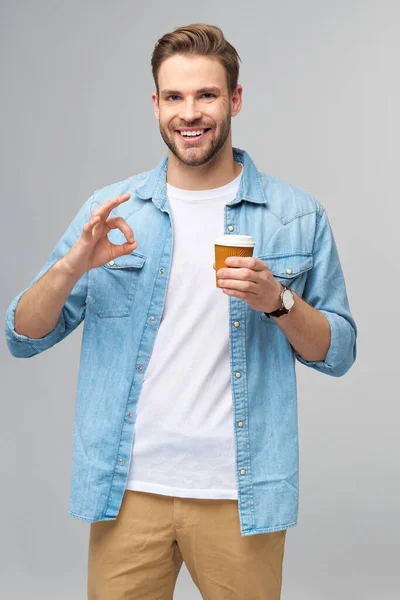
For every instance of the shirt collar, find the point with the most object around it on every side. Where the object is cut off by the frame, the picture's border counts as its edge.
(250, 189)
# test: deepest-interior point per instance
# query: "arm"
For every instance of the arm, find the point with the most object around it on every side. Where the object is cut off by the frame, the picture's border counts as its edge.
(325, 303)
(39, 309)
(62, 283)
(54, 303)
(307, 330)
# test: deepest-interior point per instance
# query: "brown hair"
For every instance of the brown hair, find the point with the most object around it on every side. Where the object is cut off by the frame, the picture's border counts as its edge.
(199, 38)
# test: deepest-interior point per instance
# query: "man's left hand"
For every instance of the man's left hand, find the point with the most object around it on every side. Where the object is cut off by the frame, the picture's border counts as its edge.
(249, 278)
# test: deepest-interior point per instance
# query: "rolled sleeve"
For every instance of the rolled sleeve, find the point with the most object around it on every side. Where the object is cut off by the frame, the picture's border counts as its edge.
(342, 349)
(325, 290)
(22, 346)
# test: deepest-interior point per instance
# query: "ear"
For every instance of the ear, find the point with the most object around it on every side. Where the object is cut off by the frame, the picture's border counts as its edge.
(236, 101)
(156, 107)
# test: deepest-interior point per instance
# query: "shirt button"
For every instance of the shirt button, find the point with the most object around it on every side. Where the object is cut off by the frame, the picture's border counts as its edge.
(289, 271)
(242, 472)
(237, 324)
(139, 367)
(152, 319)
(231, 228)
(121, 462)
(237, 375)
(240, 424)
(129, 415)
(162, 271)
(111, 263)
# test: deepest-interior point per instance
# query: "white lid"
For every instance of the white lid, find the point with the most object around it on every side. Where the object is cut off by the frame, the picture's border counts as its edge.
(234, 240)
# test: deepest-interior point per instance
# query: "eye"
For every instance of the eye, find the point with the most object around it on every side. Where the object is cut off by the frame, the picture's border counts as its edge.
(173, 97)
(208, 94)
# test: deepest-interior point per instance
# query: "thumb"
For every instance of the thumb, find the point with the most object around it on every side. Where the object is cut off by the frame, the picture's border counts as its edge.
(126, 248)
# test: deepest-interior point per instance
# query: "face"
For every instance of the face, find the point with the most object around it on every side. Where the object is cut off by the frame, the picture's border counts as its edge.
(194, 98)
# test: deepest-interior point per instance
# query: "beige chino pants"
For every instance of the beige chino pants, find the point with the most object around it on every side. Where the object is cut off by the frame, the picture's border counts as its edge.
(138, 556)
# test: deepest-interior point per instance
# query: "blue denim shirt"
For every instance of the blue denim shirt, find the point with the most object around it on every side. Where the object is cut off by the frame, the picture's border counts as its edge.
(121, 304)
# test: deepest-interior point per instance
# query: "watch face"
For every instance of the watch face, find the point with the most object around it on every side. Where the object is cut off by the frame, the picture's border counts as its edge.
(288, 299)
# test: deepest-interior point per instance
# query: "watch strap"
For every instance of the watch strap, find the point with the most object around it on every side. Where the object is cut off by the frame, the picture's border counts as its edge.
(277, 313)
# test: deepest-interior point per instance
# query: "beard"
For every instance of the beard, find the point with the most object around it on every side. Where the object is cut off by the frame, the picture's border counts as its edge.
(195, 157)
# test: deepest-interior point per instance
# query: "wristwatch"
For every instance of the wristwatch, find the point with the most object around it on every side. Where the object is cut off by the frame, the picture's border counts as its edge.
(287, 300)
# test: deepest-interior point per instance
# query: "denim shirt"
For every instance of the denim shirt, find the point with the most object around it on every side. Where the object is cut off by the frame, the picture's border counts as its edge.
(121, 304)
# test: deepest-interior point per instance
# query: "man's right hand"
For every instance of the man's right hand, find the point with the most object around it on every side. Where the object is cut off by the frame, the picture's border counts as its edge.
(93, 248)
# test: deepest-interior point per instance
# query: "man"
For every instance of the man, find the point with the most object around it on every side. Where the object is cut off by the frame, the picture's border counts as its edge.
(185, 437)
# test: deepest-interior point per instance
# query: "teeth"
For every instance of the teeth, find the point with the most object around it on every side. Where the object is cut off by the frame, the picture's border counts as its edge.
(192, 133)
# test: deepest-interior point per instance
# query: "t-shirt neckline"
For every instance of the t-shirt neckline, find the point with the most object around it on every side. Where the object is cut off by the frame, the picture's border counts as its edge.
(223, 190)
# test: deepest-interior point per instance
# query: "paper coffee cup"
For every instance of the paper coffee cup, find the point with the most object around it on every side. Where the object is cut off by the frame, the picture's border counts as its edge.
(231, 245)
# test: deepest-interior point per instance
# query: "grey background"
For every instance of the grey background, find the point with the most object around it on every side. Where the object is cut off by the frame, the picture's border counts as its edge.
(321, 110)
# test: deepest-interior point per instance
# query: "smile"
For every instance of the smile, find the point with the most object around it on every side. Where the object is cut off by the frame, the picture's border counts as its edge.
(193, 136)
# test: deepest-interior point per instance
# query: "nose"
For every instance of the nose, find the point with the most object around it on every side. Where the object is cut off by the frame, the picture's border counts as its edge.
(190, 111)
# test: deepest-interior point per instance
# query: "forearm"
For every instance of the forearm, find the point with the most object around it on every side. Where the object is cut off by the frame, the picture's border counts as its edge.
(307, 329)
(39, 308)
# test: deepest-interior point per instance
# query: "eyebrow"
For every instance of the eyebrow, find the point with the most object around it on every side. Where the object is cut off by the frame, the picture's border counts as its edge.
(210, 89)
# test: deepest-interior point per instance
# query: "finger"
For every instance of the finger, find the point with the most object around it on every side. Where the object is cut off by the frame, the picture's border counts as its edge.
(256, 264)
(104, 210)
(240, 274)
(122, 225)
(246, 287)
(89, 226)
(122, 249)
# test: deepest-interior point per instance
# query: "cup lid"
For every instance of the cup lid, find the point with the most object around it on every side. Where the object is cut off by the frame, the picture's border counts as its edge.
(234, 240)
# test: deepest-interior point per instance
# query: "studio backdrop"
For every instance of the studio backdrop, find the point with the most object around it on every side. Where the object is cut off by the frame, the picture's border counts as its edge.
(321, 97)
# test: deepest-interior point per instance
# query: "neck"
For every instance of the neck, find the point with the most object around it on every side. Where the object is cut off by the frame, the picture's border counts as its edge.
(219, 171)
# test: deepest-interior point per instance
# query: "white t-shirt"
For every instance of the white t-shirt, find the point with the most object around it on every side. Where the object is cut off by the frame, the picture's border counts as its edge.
(184, 430)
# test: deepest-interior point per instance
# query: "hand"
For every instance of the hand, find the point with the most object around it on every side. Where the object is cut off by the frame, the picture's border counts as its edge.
(93, 248)
(250, 279)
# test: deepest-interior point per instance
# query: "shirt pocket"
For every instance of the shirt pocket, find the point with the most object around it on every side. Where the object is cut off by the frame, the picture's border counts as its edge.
(290, 270)
(112, 287)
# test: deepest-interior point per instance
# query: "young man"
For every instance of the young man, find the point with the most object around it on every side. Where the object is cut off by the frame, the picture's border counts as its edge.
(185, 438)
